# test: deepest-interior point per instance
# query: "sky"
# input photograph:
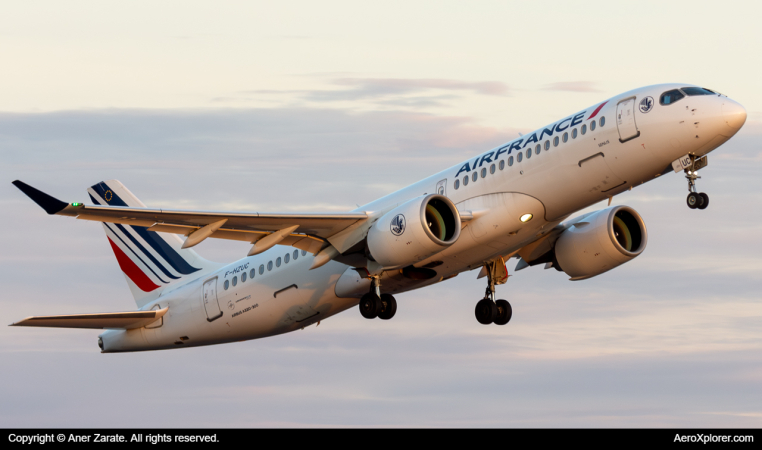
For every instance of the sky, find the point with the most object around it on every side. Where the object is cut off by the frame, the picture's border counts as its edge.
(305, 106)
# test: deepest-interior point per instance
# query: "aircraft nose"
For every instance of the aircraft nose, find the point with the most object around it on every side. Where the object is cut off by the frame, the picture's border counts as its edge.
(734, 114)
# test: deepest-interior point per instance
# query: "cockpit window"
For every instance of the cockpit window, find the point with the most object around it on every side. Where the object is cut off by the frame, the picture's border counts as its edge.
(670, 97)
(697, 91)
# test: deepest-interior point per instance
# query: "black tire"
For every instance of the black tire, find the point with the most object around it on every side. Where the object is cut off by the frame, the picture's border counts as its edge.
(370, 305)
(486, 310)
(388, 307)
(504, 312)
(693, 200)
(705, 203)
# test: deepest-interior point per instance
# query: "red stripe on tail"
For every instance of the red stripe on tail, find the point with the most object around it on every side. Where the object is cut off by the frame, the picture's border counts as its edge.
(596, 110)
(130, 269)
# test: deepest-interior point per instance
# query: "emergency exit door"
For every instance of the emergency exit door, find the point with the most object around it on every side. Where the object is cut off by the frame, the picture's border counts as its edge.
(211, 305)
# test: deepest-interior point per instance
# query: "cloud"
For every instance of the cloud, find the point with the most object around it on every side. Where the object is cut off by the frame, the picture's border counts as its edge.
(386, 86)
(668, 339)
(405, 92)
(573, 86)
(254, 148)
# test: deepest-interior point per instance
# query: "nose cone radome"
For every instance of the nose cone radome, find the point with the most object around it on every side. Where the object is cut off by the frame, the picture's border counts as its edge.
(734, 114)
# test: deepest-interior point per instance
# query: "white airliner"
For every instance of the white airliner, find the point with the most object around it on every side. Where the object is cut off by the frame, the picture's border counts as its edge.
(511, 201)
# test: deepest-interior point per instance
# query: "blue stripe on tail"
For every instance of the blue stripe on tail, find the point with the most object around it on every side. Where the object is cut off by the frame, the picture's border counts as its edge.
(134, 253)
(178, 263)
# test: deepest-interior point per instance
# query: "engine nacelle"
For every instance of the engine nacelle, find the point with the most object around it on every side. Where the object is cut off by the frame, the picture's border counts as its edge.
(414, 230)
(600, 241)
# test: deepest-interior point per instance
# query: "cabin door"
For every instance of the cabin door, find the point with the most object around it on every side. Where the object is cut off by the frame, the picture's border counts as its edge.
(625, 120)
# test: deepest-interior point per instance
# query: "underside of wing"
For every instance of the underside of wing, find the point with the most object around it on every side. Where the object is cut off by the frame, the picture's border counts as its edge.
(115, 320)
(305, 231)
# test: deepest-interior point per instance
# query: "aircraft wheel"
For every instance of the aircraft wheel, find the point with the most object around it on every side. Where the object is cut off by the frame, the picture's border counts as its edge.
(370, 305)
(504, 312)
(693, 200)
(389, 307)
(705, 202)
(486, 311)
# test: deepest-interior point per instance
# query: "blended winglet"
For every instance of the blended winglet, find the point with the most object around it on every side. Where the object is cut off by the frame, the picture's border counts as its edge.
(51, 205)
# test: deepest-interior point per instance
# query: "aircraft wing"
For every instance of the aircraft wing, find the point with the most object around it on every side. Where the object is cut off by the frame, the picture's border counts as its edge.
(116, 320)
(305, 231)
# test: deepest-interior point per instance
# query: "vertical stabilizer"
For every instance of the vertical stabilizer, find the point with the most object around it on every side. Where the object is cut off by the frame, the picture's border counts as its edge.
(151, 261)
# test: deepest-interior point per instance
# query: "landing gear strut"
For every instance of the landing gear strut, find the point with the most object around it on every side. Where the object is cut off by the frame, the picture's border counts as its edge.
(374, 304)
(695, 199)
(487, 309)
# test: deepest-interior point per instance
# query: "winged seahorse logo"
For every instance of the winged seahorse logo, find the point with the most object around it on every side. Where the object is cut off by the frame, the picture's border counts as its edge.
(646, 104)
(398, 225)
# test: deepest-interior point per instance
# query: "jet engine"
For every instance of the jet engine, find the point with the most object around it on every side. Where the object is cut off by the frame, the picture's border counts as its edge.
(414, 230)
(600, 241)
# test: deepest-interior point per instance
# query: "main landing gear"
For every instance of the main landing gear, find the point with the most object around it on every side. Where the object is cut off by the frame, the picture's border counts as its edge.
(695, 199)
(488, 310)
(374, 304)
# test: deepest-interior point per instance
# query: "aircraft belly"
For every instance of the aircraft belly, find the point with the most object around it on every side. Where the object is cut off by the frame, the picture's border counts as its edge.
(497, 231)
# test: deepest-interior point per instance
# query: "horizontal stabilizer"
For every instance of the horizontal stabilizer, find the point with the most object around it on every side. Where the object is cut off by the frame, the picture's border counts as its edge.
(116, 320)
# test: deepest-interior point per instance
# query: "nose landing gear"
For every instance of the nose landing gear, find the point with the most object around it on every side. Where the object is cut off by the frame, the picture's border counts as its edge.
(487, 309)
(695, 199)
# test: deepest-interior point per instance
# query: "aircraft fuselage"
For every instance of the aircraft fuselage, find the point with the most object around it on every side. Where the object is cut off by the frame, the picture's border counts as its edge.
(551, 173)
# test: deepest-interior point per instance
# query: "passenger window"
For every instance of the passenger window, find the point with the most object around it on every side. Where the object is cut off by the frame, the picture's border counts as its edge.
(537, 149)
(519, 157)
(474, 176)
(670, 97)
(261, 269)
(235, 280)
(602, 121)
(547, 145)
(529, 153)
(566, 137)
(584, 129)
(287, 258)
(510, 161)
(484, 172)
(304, 252)
(555, 141)
(269, 266)
(227, 284)
(592, 125)
(252, 272)
(243, 277)
(277, 262)
(465, 180)
(296, 254)
(457, 184)
(502, 164)
(574, 133)
(492, 168)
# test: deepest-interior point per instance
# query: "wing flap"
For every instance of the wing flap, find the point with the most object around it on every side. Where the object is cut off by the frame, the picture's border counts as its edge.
(120, 220)
(322, 225)
(116, 320)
